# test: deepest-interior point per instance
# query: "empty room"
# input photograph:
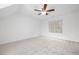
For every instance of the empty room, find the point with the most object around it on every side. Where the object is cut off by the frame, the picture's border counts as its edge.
(39, 29)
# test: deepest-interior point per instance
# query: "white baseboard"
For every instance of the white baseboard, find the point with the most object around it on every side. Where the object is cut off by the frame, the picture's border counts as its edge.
(41, 37)
(9, 41)
(57, 38)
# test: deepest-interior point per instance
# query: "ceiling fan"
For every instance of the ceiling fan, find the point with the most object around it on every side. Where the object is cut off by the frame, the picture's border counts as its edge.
(44, 10)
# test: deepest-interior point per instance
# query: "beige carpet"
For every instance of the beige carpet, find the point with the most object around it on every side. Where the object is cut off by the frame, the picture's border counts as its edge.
(39, 46)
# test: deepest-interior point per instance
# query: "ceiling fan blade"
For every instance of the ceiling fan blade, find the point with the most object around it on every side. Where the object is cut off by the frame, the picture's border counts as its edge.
(39, 14)
(45, 6)
(37, 10)
(46, 13)
(50, 10)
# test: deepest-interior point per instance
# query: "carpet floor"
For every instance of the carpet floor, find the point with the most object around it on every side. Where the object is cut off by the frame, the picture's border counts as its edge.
(37, 46)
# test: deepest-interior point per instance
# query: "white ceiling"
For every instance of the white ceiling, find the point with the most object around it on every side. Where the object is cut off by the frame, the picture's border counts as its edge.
(60, 10)
(5, 5)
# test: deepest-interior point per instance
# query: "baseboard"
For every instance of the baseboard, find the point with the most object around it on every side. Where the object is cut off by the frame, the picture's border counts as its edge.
(41, 37)
(10, 41)
(57, 38)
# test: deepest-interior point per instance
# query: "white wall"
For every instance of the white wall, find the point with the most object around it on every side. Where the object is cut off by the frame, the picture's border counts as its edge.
(70, 27)
(17, 26)
(45, 29)
(8, 11)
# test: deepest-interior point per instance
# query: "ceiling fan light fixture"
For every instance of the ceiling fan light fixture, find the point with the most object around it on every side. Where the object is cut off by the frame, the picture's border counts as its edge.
(43, 13)
(44, 10)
